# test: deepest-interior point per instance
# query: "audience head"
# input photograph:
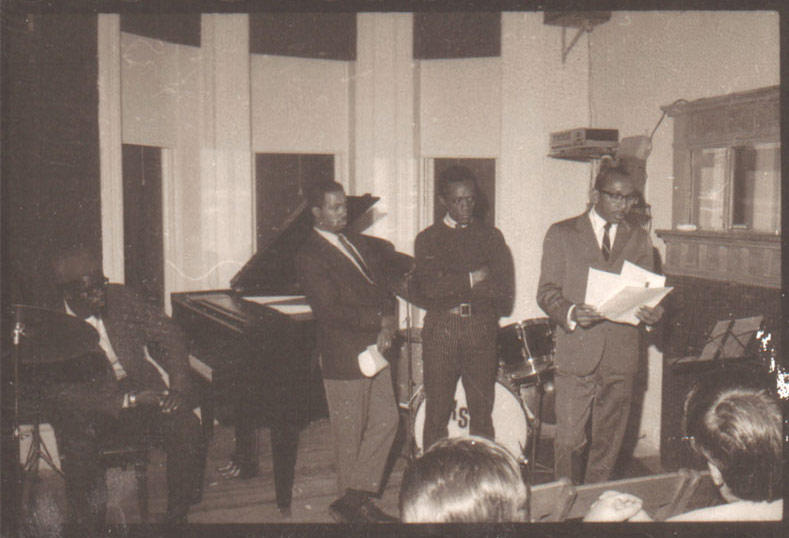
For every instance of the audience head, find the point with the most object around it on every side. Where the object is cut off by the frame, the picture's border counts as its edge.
(79, 277)
(463, 480)
(735, 424)
(328, 205)
(457, 192)
(614, 193)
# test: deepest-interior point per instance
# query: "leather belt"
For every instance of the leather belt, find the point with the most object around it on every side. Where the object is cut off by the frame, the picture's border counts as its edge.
(463, 310)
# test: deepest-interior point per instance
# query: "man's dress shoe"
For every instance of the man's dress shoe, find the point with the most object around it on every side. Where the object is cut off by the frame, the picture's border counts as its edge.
(369, 512)
(343, 510)
(347, 509)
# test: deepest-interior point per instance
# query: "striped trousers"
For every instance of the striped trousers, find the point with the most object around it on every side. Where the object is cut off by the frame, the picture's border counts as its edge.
(458, 347)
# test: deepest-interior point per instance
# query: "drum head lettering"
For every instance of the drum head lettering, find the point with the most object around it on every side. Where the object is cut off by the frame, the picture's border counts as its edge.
(509, 420)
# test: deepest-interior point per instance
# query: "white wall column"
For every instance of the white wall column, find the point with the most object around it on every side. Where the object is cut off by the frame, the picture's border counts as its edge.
(227, 180)
(539, 94)
(385, 124)
(111, 145)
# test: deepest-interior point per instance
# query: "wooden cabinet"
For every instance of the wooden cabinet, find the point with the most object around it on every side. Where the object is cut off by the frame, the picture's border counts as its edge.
(727, 189)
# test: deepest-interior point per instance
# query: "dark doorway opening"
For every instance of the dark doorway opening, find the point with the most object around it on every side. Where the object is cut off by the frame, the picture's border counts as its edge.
(485, 172)
(143, 250)
(282, 180)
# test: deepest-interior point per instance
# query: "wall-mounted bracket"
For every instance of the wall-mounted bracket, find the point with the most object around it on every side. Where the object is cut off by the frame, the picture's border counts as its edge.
(584, 21)
(587, 27)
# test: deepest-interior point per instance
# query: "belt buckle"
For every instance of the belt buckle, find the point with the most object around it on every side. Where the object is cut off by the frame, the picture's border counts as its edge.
(465, 310)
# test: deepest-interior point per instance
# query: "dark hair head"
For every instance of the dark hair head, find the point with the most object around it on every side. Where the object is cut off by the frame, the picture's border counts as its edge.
(608, 173)
(735, 424)
(454, 174)
(316, 193)
(463, 480)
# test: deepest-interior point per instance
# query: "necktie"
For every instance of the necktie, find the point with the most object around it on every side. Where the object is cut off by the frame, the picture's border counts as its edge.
(606, 241)
(356, 256)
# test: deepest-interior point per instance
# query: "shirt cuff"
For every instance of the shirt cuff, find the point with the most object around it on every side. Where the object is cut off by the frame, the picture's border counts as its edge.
(470, 280)
(571, 325)
(125, 401)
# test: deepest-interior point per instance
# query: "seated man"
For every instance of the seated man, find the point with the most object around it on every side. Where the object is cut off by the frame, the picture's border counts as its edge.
(463, 480)
(117, 393)
(736, 426)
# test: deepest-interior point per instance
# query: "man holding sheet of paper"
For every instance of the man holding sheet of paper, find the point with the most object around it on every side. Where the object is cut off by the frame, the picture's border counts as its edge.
(585, 258)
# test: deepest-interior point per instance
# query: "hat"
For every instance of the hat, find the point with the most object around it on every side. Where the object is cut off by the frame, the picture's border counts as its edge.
(70, 266)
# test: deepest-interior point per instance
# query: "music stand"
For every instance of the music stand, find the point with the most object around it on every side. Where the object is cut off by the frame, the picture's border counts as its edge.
(728, 339)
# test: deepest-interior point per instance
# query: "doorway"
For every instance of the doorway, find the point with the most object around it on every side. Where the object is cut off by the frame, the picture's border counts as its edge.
(484, 171)
(143, 246)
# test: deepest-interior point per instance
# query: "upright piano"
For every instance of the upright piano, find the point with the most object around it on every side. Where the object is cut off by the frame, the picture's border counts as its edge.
(253, 345)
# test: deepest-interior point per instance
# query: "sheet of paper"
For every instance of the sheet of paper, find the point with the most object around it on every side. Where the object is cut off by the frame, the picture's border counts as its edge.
(741, 334)
(271, 299)
(371, 361)
(714, 343)
(623, 306)
(602, 285)
(291, 309)
(634, 273)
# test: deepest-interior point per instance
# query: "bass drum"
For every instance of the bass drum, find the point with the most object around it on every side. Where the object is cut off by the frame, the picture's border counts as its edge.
(510, 419)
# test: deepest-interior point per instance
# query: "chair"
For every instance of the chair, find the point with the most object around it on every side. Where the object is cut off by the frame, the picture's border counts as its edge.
(662, 494)
(549, 502)
(704, 494)
(136, 456)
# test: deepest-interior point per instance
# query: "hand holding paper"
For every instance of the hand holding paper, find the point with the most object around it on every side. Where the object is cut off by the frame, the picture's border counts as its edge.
(618, 297)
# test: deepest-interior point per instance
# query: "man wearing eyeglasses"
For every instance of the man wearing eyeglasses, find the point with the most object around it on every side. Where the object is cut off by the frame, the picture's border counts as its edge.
(596, 360)
(133, 386)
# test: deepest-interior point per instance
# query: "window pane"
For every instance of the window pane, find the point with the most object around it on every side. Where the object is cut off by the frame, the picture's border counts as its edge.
(756, 194)
(709, 187)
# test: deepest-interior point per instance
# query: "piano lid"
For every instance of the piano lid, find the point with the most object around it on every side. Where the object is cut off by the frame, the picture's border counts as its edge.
(271, 270)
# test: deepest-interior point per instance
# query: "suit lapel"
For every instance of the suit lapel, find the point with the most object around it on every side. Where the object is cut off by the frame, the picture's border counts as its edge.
(623, 233)
(338, 260)
(583, 226)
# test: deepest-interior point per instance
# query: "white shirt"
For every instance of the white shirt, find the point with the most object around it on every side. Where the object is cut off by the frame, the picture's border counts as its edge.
(332, 238)
(598, 227)
(104, 341)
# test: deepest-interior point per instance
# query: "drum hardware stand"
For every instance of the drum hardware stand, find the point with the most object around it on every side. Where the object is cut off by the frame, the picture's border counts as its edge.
(409, 357)
(536, 430)
(38, 451)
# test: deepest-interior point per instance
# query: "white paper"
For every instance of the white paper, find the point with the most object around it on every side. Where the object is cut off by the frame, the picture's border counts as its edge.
(602, 285)
(291, 309)
(269, 299)
(634, 273)
(619, 296)
(623, 306)
(371, 361)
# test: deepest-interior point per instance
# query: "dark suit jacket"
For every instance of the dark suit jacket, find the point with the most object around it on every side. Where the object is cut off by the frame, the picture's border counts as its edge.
(132, 324)
(348, 307)
(569, 250)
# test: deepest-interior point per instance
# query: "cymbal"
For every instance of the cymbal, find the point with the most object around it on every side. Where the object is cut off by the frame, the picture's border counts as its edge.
(50, 336)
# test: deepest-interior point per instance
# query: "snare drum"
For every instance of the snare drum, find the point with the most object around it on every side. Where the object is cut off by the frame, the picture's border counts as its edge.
(525, 348)
(510, 419)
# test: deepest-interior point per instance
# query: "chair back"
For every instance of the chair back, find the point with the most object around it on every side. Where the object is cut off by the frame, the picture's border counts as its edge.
(661, 494)
(549, 502)
(704, 494)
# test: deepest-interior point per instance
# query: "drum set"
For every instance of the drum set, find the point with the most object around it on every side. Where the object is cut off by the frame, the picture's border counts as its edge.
(524, 386)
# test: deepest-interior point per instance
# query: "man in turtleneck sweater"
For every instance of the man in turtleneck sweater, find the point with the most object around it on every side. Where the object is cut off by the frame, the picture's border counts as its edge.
(464, 270)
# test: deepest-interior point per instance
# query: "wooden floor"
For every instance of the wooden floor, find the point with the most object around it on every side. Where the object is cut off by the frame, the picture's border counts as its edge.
(242, 501)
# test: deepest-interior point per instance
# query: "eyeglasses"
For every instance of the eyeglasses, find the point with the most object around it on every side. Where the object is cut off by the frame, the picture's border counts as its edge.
(619, 198)
(86, 285)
